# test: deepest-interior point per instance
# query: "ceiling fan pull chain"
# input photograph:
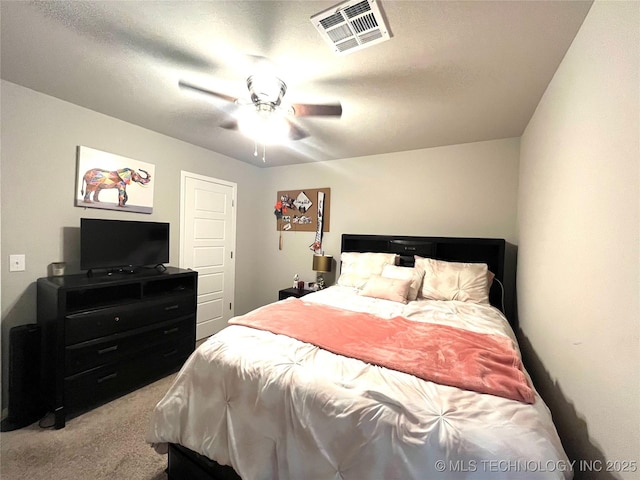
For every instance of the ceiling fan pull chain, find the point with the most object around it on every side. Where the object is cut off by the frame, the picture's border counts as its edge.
(264, 153)
(255, 148)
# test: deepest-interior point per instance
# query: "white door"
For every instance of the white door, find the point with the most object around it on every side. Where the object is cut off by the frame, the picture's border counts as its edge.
(207, 244)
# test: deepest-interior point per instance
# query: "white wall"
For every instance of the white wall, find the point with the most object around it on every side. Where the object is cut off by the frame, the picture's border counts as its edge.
(39, 138)
(465, 190)
(579, 241)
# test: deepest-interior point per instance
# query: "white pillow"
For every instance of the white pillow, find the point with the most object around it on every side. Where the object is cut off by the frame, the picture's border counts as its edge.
(394, 289)
(467, 282)
(415, 275)
(358, 267)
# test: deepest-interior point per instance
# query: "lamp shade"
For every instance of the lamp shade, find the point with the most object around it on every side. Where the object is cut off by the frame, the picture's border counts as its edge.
(322, 263)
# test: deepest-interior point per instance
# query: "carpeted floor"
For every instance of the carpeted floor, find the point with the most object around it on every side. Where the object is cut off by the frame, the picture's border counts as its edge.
(105, 443)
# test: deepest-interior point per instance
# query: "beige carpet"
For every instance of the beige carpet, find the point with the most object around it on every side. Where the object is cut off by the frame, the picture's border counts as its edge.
(105, 443)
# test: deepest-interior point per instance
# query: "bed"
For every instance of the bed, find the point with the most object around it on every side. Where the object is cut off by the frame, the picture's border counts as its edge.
(407, 368)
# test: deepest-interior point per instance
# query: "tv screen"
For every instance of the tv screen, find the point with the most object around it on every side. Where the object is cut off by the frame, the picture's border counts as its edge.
(120, 243)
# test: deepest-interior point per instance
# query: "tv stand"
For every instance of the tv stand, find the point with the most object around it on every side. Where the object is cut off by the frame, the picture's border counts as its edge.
(104, 336)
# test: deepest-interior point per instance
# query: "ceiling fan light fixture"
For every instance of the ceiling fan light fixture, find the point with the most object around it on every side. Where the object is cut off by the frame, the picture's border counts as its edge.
(265, 88)
(264, 125)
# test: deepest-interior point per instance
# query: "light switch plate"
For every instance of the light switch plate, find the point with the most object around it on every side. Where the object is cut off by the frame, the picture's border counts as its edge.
(17, 263)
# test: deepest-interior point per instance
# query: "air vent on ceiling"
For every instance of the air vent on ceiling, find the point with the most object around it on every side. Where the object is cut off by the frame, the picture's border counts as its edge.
(352, 25)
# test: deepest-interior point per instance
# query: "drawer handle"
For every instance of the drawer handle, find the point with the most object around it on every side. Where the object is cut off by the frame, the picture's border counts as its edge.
(171, 330)
(171, 307)
(168, 354)
(107, 377)
(107, 350)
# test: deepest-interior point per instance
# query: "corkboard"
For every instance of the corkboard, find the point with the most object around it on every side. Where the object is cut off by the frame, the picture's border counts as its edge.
(295, 220)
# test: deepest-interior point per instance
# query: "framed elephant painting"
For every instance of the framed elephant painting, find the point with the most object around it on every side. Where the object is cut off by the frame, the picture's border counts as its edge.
(112, 182)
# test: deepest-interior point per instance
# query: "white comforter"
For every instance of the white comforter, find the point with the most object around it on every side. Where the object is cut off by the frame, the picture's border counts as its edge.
(276, 408)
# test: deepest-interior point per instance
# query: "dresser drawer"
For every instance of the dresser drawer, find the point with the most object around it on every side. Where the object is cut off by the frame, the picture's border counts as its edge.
(87, 355)
(91, 324)
(106, 382)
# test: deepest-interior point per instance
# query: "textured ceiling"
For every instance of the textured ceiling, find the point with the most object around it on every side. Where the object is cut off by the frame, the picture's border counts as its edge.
(453, 72)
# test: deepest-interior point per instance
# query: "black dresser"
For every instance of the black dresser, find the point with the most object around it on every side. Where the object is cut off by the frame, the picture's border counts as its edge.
(107, 335)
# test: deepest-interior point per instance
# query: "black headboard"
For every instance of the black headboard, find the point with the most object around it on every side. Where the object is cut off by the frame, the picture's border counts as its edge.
(453, 249)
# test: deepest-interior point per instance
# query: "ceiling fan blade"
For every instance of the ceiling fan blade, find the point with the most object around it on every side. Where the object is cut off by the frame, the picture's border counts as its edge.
(205, 91)
(230, 125)
(305, 110)
(296, 132)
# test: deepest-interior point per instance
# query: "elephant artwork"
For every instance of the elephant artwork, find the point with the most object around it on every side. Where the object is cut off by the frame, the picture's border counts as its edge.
(112, 182)
(97, 179)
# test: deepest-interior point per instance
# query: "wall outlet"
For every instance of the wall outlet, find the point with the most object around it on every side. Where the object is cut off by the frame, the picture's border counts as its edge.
(17, 263)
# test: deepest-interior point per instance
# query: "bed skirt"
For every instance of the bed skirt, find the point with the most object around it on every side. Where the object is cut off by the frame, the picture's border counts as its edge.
(185, 464)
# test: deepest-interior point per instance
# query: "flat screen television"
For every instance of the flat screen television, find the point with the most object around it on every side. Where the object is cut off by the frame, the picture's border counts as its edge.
(122, 244)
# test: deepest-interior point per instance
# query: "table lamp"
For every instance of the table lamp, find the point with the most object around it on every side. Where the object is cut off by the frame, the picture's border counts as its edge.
(321, 264)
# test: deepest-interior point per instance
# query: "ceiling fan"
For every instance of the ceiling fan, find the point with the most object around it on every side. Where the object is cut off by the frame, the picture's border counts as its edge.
(264, 117)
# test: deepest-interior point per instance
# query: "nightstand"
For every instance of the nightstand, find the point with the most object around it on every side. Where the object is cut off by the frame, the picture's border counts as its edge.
(292, 292)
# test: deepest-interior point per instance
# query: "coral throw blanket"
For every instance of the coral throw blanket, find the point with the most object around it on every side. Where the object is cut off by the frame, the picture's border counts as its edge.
(438, 353)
